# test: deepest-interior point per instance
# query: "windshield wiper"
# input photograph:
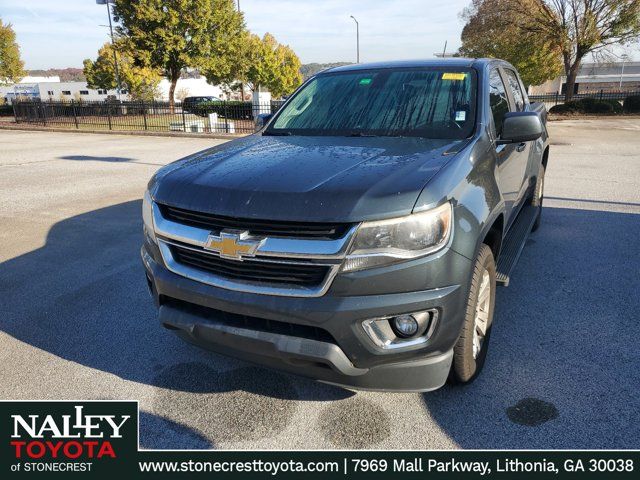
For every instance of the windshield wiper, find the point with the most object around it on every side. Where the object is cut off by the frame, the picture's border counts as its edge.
(360, 134)
(277, 134)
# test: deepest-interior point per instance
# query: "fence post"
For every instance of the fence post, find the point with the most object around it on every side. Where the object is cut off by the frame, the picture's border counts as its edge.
(75, 115)
(184, 122)
(15, 113)
(144, 115)
(601, 92)
(44, 114)
(226, 116)
(109, 114)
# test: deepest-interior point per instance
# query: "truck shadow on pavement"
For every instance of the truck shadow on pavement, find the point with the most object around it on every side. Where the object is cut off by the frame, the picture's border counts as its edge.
(562, 370)
(157, 432)
(92, 158)
(82, 297)
(565, 334)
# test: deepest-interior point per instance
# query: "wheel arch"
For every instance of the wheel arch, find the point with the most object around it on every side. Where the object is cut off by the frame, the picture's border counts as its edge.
(493, 237)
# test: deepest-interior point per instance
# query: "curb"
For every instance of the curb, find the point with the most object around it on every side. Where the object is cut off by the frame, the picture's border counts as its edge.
(139, 133)
(554, 117)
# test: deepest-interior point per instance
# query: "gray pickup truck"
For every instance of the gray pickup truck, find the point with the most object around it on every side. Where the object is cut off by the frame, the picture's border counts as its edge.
(358, 237)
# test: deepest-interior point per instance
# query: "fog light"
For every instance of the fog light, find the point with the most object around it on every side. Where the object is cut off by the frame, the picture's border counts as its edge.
(386, 333)
(404, 325)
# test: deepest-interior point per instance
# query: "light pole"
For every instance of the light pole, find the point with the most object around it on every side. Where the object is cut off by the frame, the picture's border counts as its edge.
(113, 48)
(357, 39)
(624, 59)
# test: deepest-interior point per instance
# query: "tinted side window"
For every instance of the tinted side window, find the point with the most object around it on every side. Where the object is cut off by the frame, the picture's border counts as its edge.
(497, 100)
(514, 84)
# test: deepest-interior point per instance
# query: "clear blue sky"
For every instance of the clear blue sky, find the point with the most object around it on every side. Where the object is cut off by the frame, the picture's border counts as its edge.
(61, 33)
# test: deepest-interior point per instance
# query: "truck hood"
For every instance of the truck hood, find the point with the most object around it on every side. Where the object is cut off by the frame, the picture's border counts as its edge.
(321, 179)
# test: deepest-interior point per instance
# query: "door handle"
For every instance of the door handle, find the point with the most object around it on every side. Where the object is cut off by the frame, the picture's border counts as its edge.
(521, 147)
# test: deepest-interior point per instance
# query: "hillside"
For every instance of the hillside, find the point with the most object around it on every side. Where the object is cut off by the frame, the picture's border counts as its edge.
(310, 69)
(65, 74)
(76, 75)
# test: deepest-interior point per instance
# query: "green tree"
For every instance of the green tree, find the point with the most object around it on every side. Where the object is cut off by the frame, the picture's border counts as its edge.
(141, 81)
(172, 35)
(227, 55)
(267, 64)
(491, 30)
(11, 66)
(288, 74)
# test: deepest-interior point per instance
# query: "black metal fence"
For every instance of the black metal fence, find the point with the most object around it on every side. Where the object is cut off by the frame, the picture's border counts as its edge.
(558, 98)
(5, 110)
(220, 117)
(223, 117)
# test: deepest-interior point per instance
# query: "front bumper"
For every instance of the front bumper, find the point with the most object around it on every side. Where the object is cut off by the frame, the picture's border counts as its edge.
(350, 359)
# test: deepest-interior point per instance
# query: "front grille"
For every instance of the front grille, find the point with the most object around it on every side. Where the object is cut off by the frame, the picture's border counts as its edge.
(252, 323)
(252, 270)
(266, 228)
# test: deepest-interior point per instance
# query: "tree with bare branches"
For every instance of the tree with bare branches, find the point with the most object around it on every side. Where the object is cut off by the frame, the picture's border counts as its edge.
(575, 28)
(585, 26)
(492, 29)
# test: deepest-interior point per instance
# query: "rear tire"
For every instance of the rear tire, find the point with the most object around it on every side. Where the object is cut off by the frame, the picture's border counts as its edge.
(470, 350)
(538, 197)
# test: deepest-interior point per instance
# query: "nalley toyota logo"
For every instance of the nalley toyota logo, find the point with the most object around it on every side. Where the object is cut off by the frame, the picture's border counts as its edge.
(87, 435)
(56, 436)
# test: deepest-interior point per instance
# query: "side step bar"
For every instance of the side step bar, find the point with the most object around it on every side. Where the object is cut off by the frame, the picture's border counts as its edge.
(513, 244)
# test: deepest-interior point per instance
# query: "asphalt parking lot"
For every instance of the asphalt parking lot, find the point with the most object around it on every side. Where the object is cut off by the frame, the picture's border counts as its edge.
(76, 321)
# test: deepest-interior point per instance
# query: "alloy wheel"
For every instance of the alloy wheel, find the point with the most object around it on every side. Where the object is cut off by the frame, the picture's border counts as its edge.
(481, 320)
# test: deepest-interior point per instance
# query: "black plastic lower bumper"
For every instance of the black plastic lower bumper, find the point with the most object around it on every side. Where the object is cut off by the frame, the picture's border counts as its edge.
(320, 360)
(351, 361)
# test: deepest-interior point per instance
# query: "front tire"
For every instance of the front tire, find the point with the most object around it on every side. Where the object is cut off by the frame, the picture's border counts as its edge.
(470, 350)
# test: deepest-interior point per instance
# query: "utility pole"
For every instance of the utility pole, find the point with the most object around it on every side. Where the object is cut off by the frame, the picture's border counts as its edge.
(241, 82)
(357, 39)
(113, 48)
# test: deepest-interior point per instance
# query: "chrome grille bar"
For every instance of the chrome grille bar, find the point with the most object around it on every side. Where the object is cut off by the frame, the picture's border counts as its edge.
(273, 247)
(298, 252)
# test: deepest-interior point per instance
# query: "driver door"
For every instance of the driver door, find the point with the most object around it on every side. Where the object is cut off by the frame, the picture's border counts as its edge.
(512, 158)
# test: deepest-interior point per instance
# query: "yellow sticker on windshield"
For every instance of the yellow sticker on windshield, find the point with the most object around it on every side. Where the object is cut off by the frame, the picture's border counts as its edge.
(454, 76)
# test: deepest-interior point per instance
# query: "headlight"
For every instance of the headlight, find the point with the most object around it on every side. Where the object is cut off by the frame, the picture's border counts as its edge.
(387, 241)
(147, 216)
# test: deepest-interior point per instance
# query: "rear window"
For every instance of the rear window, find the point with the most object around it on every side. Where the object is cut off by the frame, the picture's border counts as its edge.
(417, 102)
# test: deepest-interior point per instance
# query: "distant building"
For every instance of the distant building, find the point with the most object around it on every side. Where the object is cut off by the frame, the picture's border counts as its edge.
(75, 91)
(24, 87)
(594, 77)
(190, 87)
(51, 88)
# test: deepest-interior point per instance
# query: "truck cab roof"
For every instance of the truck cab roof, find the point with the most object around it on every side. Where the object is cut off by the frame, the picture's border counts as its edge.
(457, 62)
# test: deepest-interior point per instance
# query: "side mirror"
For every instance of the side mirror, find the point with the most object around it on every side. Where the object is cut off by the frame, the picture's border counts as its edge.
(262, 119)
(520, 127)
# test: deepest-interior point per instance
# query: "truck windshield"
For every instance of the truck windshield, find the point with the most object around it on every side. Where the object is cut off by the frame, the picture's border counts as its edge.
(420, 102)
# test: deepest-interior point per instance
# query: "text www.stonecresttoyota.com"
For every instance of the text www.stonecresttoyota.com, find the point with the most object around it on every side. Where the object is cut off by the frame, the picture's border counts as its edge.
(261, 466)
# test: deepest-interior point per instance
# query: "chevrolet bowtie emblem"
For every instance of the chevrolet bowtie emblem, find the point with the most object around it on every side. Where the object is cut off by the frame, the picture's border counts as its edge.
(234, 245)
